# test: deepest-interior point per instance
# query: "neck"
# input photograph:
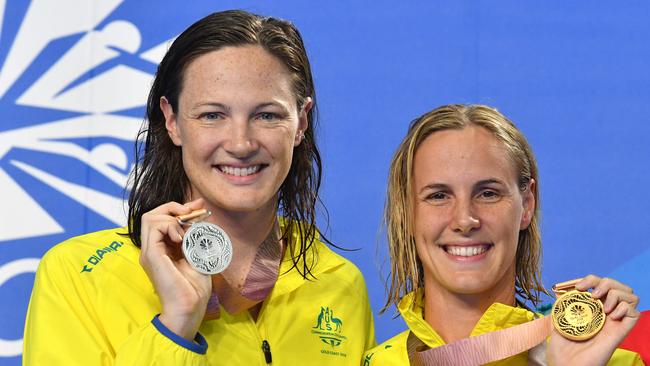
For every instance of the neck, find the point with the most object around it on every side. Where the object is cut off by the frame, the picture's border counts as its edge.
(245, 228)
(441, 305)
(247, 231)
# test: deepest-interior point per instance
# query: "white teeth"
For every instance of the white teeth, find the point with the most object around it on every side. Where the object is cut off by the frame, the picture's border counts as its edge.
(240, 172)
(466, 251)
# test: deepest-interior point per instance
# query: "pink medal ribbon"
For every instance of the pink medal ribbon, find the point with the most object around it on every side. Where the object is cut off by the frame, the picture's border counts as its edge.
(484, 348)
(236, 295)
(575, 315)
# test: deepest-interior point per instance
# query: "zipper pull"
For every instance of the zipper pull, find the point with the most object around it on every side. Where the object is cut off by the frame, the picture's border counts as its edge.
(267, 351)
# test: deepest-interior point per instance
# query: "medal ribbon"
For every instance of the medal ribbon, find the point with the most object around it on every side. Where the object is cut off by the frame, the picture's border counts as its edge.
(262, 274)
(488, 347)
(484, 348)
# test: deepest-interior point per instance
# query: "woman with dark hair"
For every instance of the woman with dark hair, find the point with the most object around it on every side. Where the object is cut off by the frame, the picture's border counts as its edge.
(229, 130)
(462, 218)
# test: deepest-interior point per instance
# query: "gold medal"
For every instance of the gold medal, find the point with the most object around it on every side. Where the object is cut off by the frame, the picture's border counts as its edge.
(576, 314)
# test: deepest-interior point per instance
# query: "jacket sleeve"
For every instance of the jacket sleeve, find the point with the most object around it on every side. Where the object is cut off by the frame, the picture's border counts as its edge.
(623, 357)
(63, 327)
(154, 344)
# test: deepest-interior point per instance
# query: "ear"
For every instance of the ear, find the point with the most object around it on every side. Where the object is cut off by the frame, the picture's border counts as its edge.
(303, 121)
(528, 200)
(170, 121)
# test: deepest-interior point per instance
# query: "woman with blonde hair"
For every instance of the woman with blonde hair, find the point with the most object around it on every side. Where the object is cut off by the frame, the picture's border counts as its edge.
(462, 218)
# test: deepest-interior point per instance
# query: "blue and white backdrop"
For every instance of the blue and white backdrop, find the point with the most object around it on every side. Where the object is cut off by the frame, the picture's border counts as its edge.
(573, 75)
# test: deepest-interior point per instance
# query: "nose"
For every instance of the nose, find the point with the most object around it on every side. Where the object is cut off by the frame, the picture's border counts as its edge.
(464, 218)
(241, 142)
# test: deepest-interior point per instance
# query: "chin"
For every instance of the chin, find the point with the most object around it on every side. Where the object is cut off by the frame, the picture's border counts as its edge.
(469, 289)
(469, 284)
(247, 203)
(242, 207)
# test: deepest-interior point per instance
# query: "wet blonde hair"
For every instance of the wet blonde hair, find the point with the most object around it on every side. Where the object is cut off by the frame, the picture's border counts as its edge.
(406, 269)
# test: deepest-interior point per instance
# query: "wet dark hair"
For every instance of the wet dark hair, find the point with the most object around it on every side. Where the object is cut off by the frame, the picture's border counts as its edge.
(159, 176)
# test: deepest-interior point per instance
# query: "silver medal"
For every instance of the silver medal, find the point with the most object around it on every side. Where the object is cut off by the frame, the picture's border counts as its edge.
(207, 248)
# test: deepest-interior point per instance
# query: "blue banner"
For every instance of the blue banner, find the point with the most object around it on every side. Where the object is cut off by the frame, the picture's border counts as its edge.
(74, 77)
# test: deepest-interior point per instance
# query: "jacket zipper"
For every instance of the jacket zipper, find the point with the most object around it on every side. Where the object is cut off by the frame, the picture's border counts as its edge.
(261, 334)
(266, 348)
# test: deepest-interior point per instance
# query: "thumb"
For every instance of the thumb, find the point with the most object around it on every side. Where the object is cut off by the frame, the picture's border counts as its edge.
(195, 204)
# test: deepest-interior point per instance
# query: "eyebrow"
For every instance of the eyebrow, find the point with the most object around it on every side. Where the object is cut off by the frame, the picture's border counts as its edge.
(210, 104)
(483, 182)
(434, 186)
(228, 109)
(271, 104)
(488, 181)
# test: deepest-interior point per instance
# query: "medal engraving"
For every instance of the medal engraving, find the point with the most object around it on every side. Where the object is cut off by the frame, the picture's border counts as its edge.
(577, 315)
(207, 248)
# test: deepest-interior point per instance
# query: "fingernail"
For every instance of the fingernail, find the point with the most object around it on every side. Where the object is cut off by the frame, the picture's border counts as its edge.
(595, 293)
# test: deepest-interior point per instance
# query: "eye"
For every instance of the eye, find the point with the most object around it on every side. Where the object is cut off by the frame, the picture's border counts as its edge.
(436, 196)
(489, 195)
(267, 116)
(211, 116)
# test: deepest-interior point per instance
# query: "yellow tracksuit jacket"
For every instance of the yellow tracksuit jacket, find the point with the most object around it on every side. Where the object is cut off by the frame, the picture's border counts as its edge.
(92, 304)
(497, 316)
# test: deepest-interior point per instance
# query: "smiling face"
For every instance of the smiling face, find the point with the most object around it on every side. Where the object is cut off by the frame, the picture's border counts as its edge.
(468, 212)
(237, 124)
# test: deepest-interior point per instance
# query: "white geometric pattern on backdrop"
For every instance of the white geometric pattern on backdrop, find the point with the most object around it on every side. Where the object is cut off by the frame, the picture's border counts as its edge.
(70, 84)
(96, 97)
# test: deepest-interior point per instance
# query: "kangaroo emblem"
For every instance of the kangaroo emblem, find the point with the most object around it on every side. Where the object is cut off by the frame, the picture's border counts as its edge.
(328, 328)
(319, 322)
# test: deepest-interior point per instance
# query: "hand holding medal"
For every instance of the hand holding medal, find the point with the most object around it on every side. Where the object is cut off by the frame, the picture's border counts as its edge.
(577, 318)
(581, 332)
(183, 292)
